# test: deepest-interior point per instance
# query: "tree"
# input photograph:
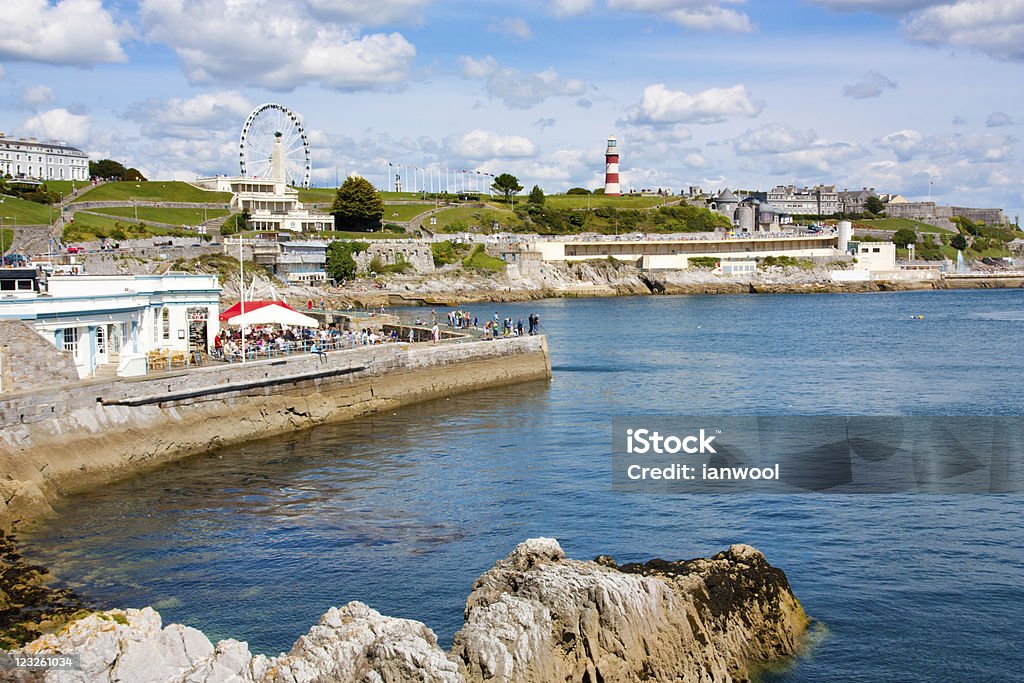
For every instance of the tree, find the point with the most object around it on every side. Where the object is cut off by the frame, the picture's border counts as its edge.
(874, 205)
(903, 237)
(959, 242)
(357, 205)
(108, 168)
(507, 185)
(341, 264)
(578, 190)
(537, 196)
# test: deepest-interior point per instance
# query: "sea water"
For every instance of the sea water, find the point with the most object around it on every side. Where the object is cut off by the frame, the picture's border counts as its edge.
(403, 510)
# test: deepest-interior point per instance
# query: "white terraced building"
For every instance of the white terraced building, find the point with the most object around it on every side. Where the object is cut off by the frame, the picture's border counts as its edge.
(37, 160)
(272, 205)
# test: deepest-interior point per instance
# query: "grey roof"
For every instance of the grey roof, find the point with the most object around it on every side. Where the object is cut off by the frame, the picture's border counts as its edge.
(726, 195)
(771, 208)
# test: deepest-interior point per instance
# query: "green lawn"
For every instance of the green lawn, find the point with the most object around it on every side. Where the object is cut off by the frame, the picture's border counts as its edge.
(64, 187)
(23, 212)
(159, 215)
(579, 201)
(474, 216)
(88, 226)
(6, 238)
(898, 223)
(165, 191)
(404, 212)
(317, 195)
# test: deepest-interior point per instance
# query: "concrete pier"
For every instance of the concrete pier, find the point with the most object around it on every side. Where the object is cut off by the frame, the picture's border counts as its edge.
(55, 441)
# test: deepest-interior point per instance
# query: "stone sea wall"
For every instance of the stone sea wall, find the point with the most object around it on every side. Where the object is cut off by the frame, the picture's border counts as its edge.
(535, 617)
(55, 441)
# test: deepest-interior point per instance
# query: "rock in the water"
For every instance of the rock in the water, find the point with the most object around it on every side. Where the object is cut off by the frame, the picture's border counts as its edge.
(354, 644)
(358, 644)
(536, 616)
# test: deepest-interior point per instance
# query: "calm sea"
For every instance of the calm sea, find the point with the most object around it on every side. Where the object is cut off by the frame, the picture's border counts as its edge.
(404, 510)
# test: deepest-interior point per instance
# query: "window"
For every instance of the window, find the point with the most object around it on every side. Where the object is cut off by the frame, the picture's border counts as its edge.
(71, 339)
(165, 322)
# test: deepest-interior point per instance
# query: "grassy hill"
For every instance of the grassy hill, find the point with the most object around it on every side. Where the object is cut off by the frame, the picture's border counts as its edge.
(898, 223)
(152, 191)
(89, 226)
(161, 215)
(580, 201)
(25, 212)
(474, 218)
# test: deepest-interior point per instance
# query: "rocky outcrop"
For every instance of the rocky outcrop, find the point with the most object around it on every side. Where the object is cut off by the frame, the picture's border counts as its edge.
(535, 617)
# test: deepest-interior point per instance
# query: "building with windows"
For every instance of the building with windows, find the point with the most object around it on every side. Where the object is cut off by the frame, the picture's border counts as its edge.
(271, 205)
(111, 319)
(820, 200)
(37, 160)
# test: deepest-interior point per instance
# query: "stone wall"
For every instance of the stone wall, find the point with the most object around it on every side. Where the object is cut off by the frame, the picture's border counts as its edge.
(89, 433)
(29, 361)
(418, 254)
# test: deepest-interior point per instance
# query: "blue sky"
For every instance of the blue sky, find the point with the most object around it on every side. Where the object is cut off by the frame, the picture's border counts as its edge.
(886, 94)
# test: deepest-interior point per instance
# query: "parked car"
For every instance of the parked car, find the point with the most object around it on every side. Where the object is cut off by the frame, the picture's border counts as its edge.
(76, 250)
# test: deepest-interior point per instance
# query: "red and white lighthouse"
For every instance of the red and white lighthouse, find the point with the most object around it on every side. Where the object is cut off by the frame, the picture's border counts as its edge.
(611, 168)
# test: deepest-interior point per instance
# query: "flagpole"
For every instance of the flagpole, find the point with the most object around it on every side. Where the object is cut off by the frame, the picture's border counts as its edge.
(241, 289)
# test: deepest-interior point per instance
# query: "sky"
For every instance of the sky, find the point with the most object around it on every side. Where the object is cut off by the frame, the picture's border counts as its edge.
(905, 96)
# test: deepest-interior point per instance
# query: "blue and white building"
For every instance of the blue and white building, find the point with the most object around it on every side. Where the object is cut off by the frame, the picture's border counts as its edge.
(105, 320)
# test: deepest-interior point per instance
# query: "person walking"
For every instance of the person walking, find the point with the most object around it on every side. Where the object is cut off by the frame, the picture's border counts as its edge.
(436, 333)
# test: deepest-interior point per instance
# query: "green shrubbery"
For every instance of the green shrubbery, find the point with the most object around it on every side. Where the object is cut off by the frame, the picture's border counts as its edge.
(447, 252)
(785, 262)
(702, 262)
(479, 259)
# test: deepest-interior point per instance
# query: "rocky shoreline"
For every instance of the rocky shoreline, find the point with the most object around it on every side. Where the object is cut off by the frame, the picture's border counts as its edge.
(535, 616)
(605, 279)
(29, 603)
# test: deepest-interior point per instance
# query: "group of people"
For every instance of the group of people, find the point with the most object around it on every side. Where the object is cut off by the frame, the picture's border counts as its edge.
(266, 341)
(460, 319)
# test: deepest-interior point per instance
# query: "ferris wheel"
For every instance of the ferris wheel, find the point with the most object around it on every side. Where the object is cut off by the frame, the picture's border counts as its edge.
(256, 143)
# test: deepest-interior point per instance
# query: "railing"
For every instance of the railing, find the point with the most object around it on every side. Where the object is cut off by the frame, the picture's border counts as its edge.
(277, 349)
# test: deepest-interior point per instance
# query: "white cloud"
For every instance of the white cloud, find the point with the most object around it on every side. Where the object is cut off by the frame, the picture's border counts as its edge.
(1, 72)
(698, 15)
(663, 106)
(998, 119)
(993, 27)
(274, 45)
(37, 97)
(877, 6)
(774, 138)
(514, 27)
(370, 12)
(482, 145)
(569, 8)
(192, 117)
(905, 144)
(74, 32)
(959, 121)
(911, 144)
(780, 149)
(872, 84)
(516, 89)
(58, 124)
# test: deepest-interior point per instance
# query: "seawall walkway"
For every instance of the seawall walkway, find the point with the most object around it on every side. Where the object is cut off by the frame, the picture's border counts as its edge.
(58, 440)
